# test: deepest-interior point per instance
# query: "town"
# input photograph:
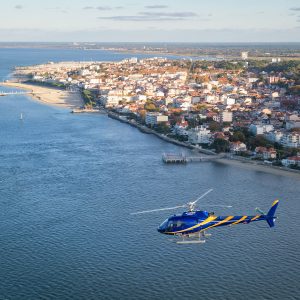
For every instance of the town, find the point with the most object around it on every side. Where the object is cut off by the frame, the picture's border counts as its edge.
(246, 108)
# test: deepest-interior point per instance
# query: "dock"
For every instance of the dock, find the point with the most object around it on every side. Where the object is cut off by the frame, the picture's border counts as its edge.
(173, 158)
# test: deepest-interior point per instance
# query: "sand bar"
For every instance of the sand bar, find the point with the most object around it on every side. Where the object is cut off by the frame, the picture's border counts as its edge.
(49, 96)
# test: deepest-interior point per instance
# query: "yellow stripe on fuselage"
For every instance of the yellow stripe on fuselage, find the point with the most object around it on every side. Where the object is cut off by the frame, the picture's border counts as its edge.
(221, 222)
(209, 219)
(240, 220)
(256, 217)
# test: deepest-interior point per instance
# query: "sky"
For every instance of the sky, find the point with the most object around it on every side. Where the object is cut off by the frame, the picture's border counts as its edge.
(150, 21)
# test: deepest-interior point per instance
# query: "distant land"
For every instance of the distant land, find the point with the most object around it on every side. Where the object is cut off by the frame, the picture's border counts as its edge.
(223, 50)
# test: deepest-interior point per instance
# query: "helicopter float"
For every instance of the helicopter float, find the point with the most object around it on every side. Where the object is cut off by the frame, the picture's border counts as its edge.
(192, 225)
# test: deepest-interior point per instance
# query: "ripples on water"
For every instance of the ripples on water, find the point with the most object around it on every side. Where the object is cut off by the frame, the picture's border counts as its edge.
(67, 186)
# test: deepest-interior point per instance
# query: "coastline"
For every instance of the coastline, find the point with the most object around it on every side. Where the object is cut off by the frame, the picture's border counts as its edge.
(48, 95)
(260, 167)
(237, 162)
(65, 99)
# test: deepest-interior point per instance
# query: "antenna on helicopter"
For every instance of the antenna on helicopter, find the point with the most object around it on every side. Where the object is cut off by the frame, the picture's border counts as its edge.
(190, 205)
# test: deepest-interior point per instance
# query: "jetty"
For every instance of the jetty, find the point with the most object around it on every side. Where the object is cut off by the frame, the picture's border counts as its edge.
(174, 158)
(180, 158)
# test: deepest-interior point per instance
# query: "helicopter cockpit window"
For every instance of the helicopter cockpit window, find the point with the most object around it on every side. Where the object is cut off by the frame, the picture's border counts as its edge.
(175, 224)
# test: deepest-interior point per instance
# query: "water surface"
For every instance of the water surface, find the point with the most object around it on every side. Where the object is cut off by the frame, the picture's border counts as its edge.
(69, 182)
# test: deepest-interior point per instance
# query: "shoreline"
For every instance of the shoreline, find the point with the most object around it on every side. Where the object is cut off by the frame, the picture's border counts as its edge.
(65, 99)
(237, 162)
(48, 95)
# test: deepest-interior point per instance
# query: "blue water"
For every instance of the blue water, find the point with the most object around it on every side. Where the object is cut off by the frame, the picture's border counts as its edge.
(68, 183)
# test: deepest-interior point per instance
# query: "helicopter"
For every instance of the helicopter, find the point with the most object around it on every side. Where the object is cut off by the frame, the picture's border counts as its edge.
(192, 225)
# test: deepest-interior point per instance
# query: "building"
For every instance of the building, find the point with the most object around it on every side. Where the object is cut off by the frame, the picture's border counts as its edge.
(199, 135)
(110, 100)
(292, 124)
(274, 136)
(257, 129)
(291, 140)
(291, 161)
(226, 116)
(244, 55)
(269, 154)
(238, 147)
(229, 101)
(154, 118)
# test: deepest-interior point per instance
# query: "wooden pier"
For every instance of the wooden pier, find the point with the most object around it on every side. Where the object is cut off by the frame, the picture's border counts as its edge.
(172, 158)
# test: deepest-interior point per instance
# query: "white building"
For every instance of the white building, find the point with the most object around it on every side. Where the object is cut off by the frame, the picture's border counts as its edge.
(111, 100)
(291, 140)
(133, 60)
(244, 55)
(229, 101)
(154, 118)
(260, 128)
(274, 136)
(199, 135)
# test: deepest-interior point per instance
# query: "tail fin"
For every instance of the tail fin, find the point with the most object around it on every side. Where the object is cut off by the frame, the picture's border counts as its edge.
(270, 215)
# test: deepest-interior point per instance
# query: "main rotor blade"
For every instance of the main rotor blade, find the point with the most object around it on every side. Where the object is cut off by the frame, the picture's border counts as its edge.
(159, 209)
(214, 205)
(203, 195)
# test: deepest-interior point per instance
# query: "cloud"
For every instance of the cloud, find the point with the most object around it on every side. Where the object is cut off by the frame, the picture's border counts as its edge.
(154, 16)
(186, 14)
(18, 6)
(156, 6)
(295, 8)
(102, 8)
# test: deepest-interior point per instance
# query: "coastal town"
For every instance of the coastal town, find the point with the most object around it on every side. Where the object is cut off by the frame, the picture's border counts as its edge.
(246, 108)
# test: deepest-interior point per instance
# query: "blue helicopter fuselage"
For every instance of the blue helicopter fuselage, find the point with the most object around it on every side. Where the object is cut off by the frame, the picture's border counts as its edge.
(197, 221)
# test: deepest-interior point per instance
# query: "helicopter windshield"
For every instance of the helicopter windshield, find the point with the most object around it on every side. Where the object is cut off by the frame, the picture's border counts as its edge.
(175, 224)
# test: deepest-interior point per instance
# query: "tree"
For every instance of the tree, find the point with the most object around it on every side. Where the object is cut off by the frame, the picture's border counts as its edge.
(162, 128)
(220, 145)
(214, 126)
(258, 141)
(238, 136)
(150, 107)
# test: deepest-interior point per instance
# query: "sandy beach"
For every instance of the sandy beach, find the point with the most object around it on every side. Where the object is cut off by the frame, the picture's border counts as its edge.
(260, 167)
(49, 96)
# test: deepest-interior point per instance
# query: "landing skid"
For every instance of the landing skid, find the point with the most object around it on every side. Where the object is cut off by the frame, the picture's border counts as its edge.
(197, 238)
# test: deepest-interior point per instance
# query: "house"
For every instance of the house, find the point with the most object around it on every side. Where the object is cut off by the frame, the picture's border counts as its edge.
(265, 153)
(269, 154)
(291, 161)
(238, 147)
